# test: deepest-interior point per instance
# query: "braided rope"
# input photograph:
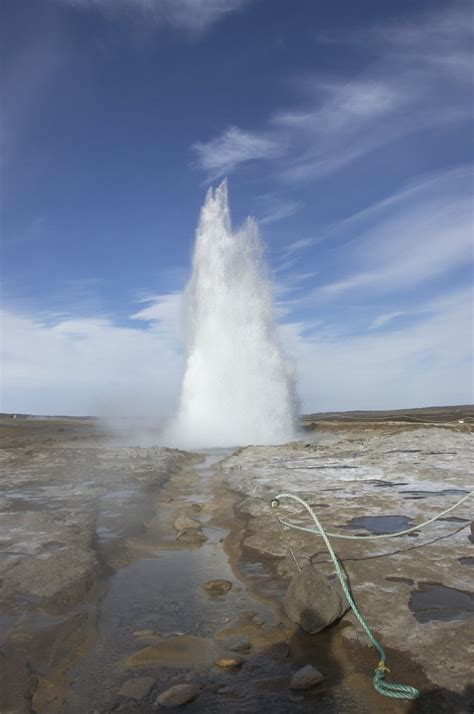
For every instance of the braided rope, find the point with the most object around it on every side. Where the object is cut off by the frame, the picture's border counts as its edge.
(393, 690)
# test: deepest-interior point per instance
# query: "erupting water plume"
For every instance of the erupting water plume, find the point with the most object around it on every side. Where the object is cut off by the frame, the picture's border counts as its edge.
(238, 387)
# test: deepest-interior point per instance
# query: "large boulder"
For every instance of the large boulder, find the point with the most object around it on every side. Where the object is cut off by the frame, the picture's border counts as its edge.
(313, 601)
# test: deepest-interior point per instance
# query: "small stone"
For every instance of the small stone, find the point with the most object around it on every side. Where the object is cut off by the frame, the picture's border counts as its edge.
(306, 677)
(258, 621)
(136, 688)
(217, 587)
(228, 662)
(191, 535)
(182, 522)
(178, 695)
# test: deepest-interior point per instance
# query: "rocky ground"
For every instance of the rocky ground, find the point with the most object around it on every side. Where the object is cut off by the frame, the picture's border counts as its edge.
(415, 590)
(70, 504)
(133, 579)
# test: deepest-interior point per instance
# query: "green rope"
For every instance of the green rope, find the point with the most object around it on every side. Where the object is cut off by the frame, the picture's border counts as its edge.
(340, 536)
(381, 685)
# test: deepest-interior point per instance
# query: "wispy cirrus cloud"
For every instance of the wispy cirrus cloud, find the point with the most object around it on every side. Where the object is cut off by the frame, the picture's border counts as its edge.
(233, 147)
(384, 319)
(389, 369)
(419, 78)
(195, 16)
(273, 207)
(424, 233)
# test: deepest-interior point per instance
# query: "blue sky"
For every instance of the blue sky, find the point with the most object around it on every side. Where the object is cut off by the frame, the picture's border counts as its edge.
(344, 128)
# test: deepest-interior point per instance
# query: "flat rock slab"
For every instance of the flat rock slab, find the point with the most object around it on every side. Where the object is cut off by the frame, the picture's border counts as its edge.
(178, 695)
(368, 476)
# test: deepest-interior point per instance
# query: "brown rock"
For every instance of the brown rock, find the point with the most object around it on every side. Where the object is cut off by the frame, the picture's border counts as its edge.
(178, 695)
(191, 535)
(217, 587)
(313, 601)
(228, 662)
(182, 522)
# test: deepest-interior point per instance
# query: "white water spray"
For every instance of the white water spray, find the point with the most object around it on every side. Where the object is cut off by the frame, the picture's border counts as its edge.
(238, 387)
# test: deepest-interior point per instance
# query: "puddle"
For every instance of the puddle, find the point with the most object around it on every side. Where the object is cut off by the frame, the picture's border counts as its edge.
(380, 524)
(434, 601)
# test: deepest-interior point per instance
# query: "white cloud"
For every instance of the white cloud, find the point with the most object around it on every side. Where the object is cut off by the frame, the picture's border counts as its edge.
(195, 16)
(384, 319)
(297, 245)
(89, 365)
(413, 246)
(428, 363)
(346, 104)
(417, 80)
(165, 311)
(276, 208)
(223, 154)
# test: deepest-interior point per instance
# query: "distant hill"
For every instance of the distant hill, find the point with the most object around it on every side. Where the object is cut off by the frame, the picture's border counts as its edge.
(424, 415)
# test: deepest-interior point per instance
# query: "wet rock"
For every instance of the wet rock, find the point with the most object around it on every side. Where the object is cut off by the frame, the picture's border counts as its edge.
(313, 601)
(178, 695)
(228, 662)
(137, 688)
(238, 643)
(306, 677)
(183, 522)
(217, 587)
(278, 650)
(191, 535)
(253, 507)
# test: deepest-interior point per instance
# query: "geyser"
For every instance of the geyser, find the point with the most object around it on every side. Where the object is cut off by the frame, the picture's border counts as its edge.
(238, 387)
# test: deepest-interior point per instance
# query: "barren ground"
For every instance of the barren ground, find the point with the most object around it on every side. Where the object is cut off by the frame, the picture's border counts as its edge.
(96, 591)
